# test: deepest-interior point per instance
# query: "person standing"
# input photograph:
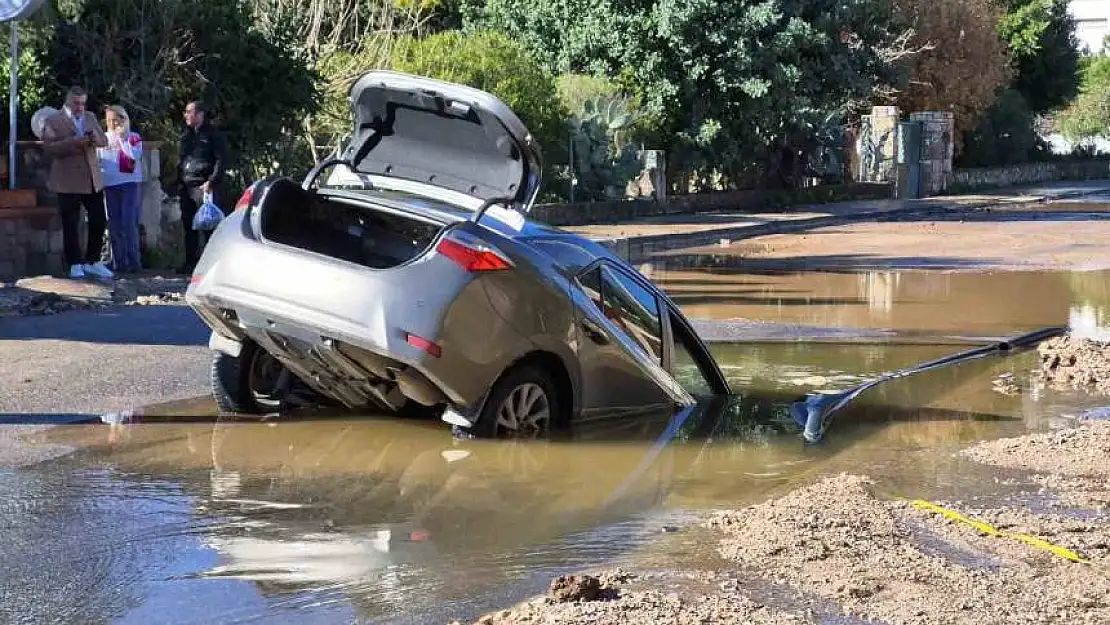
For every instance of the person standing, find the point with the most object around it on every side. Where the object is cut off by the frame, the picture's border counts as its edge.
(122, 171)
(201, 166)
(71, 137)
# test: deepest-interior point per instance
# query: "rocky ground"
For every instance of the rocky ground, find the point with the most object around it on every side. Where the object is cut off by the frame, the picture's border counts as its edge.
(839, 551)
(1080, 364)
(46, 295)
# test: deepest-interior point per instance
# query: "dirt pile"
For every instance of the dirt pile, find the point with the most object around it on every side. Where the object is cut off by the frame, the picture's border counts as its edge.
(622, 598)
(1075, 462)
(891, 561)
(1071, 363)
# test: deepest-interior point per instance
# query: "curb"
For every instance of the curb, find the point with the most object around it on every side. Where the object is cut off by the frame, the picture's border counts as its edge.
(637, 249)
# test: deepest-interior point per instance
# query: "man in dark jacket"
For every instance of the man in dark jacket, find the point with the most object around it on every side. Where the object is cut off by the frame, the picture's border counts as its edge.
(201, 165)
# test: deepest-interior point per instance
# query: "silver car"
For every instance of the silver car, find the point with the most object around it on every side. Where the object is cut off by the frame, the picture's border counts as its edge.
(409, 277)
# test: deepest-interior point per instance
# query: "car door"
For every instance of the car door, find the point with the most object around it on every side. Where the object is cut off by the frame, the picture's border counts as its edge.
(622, 345)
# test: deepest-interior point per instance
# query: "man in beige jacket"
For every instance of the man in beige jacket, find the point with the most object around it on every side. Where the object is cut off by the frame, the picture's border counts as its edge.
(71, 137)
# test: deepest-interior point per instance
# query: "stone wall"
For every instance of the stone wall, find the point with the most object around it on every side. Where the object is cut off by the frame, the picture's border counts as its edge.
(715, 202)
(30, 235)
(1028, 173)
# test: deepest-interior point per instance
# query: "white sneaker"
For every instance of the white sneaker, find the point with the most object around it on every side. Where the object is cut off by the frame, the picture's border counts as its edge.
(76, 272)
(98, 270)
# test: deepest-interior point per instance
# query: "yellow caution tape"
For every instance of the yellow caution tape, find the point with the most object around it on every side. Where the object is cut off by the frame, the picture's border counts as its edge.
(1033, 541)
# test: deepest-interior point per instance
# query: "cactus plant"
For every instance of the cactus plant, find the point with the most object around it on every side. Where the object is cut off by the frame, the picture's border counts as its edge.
(602, 164)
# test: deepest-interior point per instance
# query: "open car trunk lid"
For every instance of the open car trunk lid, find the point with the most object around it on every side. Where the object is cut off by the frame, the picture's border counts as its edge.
(442, 139)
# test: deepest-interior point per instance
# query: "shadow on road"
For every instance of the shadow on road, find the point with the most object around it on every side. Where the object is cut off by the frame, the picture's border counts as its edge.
(123, 325)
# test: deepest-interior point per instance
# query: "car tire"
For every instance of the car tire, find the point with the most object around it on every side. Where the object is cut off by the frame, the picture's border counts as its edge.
(528, 384)
(233, 383)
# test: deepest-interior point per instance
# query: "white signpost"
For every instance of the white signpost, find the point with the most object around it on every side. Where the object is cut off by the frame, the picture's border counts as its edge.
(13, 11)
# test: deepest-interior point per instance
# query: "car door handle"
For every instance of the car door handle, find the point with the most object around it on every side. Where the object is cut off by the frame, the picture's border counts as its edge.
(594, 331)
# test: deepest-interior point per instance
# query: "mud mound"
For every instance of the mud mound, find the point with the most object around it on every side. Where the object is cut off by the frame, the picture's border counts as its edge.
(890, 561)
(1068, 362)
(1073, 462)
(1081, 451)
(636, 607)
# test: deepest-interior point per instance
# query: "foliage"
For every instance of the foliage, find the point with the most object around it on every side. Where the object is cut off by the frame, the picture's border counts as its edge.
(1088, 116)
(494, 63)
(1005, 136)
(726, 82)
(966, 65)
(602, 162)
(153, 56)
(34, 73)
(1041, 38)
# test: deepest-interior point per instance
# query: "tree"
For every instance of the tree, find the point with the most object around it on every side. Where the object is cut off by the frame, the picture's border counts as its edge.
(493, 62)
(733, 86)
(1088, 116)
(1041, 38)
(153, 56)
(1005, 136)
(966, 65)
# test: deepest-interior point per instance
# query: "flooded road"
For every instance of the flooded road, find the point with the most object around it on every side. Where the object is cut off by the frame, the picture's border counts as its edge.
(186, 517)
(345, 519)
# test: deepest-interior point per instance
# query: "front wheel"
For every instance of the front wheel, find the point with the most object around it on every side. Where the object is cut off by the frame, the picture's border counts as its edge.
(523, 404)
(254, 382)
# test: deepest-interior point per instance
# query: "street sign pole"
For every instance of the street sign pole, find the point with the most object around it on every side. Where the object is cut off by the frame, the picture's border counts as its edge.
(13, 104)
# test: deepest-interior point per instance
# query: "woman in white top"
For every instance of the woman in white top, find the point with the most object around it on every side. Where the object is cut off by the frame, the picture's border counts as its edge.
(121, 165)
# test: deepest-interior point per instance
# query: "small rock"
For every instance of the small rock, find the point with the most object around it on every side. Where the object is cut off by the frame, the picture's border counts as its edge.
(567, 588)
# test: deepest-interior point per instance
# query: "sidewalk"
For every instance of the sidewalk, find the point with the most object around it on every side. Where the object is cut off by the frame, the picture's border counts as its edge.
(639, 240)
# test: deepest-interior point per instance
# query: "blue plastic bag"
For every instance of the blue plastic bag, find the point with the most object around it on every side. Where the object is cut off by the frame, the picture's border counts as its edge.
(208, 215)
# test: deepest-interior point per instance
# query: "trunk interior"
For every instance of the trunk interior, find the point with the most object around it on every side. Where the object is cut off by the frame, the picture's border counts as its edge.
(342, 228)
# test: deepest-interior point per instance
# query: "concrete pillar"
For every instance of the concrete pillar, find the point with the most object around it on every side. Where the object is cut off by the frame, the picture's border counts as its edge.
(878, 144)
(937, 128)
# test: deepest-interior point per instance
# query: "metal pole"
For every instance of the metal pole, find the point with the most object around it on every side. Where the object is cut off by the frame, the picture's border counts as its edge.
(13, 103)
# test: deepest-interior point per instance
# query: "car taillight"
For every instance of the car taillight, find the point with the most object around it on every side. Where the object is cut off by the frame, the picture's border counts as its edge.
(472, 255)
(245, 199)
(424, 344)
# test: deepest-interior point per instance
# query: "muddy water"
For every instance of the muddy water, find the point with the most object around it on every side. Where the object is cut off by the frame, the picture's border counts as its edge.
(336, 519)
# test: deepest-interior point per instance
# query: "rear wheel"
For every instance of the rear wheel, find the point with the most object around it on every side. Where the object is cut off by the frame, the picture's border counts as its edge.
(254, 382)
(523, 404)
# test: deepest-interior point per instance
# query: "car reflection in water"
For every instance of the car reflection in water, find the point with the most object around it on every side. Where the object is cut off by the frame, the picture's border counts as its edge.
(393, 514)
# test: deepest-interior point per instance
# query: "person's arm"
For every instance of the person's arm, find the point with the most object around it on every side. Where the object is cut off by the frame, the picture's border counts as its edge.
(219, 152)
(132, 146)
(56, 145)
(99, 139)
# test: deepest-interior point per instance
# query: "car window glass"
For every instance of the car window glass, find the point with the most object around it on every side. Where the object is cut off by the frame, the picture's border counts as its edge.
(634, 309)
(591, 284)
(686, 369)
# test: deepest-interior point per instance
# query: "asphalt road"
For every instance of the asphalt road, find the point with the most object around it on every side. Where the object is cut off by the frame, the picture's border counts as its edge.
(92, 362)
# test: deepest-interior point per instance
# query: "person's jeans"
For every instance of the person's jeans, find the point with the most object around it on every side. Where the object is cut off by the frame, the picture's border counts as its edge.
(124, 202)
(69, 205)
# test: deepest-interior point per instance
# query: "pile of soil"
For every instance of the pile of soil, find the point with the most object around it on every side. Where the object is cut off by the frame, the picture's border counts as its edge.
(1074, 462)
(617, 597)
(836, 549)
(1071, 363)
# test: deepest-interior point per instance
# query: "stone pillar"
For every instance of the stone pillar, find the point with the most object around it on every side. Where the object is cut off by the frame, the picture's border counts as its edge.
(152, 196)
(937, 128)
(878, 144)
